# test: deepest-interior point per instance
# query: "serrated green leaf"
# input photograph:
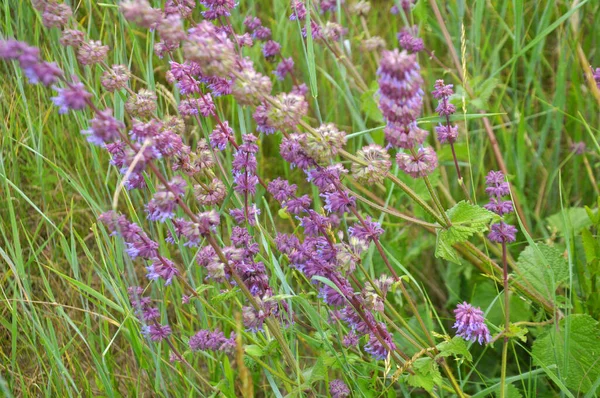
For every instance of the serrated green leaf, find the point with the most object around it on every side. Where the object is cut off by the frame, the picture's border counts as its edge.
(467, 219)
(518, 332)
(511, 392)
(574, 348)
(426, 374)
(457, 347)
(544, 267)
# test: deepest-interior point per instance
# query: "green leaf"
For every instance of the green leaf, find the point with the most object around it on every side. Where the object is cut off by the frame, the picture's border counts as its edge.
(368, 104)
(467, 219)
(518, 332)
(511, 392)
(590, 245)
(544, 267)
(577, 219)
(574, 348)
(254, 350)
(427, 374)
(457, 347)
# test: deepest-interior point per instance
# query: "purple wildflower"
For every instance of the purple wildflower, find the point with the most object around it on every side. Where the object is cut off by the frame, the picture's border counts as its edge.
(423, 162)
(377, 165)
(369, 231)
(502, 233)
(116, 78)
(376, 348)
(211, 49)
(56, 15)
(157, 332)
(74, 97)
(401, 96)
(104, 128)
(261, 33)
(338, 389)
(281, 189)
(338, 202)
(140, 13)
(162, 268)
(409, 41)
(271, 48)
(470, 324)
(298, 10)
(252, 22)
(164, 202)
(215, 340)
(91, 52)
(220, 136)
(350, 340)
(283, 68)
(287, 112)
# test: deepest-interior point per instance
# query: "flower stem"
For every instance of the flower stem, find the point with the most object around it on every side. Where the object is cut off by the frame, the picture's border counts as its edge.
(506, 323)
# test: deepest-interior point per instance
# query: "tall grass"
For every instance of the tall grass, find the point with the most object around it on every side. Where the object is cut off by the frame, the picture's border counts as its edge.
(66, 325)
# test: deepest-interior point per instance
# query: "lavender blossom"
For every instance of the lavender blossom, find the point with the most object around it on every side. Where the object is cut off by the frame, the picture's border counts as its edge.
(142, 104)
(409, 41)
(420, 164)
(401, 97)
(104, 128)
(496, 188)
(72, 38)
(376, 165)
(56, 15)
(72, 97)
(116, 78)
(285, 67)
(369, 231)
(288, 111)
(338, 389)
(470, 324)
(326, 145)
(211, 49)
(157, 332)
(91, 52)
(215, 340)
(164, 202)
(271, 49)
(162, 268)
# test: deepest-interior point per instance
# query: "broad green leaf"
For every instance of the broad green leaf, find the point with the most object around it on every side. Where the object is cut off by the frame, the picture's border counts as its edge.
(544, 267)
(574, 348)
(426, 374)
(457, 347)
(511, 392)
(467, 219)
(578, 219)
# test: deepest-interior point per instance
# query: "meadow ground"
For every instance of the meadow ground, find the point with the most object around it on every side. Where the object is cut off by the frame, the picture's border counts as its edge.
(527, 104)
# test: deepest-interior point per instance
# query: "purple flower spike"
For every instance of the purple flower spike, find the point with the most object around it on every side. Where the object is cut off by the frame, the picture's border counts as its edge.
(422, 163)
(502, 233)
(72, 97)
(338, 389)
(157, 332)
(470, 324)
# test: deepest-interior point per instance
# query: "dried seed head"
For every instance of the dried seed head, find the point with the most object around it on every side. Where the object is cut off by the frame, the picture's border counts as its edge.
(142, 104)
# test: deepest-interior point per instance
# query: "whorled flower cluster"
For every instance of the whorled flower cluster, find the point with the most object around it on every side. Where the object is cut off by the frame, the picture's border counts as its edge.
(470, 324)
(496, 188)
